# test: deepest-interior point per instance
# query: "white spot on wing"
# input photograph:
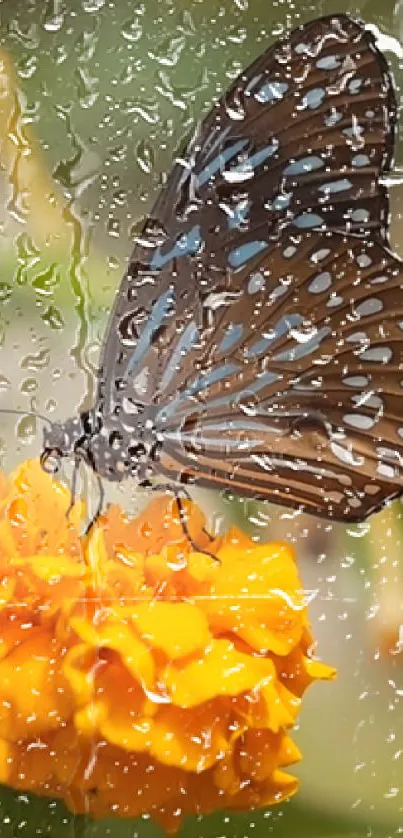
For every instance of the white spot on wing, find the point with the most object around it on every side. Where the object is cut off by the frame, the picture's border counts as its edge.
(385, 470)
(368, 307)
(321, 283)
(346, 455)
(359, 421)
(377, 355)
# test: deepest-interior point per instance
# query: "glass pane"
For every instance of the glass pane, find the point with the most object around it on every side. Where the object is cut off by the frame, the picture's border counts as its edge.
(144, 685)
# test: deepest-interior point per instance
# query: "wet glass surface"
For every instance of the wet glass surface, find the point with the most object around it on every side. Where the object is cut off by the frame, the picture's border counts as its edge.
(98, 100)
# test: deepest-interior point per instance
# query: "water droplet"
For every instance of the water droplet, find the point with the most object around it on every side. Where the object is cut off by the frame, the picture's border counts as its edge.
(78, 172)
(53, 318)
(360, 530)
(145, 156)
(117, 154)
(91, 355)
(146, 530)
(169, 51)
(91, 6)
(5, 384)
(113, 227)
(54, 17)
(87, 88)
(27, 67)
(5, 292)
(36, 362)
(86, 46)
(29, 386)
(26, 429)
(45, 283)
(113, 263)
(132, 30)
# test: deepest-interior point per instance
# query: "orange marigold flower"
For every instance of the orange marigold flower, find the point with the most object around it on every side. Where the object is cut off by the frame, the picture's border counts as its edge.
(137, 675)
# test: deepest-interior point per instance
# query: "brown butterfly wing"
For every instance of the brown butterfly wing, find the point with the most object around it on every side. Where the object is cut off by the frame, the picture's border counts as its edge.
(306, 407)
(299, 141)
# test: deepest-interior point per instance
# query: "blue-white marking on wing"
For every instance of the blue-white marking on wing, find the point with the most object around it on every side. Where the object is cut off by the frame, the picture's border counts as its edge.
(287, 322)
(308, 220)
(246, 170)
(223, 442)
(262, 381)
(304, 348)
(304, 165)
(282, 202)
(202, 383)
(360, 160)
(213, 377)
(187, 244)
(333, 118)
(240, 255)
(355, 85)
(360, 215)
(271, 92)
(238, 216)
(232, 335)
(219, 162)
(313, 99)
(214, 140)
(329, 62)
(178, 406)
(185, 343)
(336, 185)
(157, 316)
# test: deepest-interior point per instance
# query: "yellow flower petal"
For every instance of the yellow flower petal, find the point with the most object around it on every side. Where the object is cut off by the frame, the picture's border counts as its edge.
(256, 594)
(35, 697)
(7, 590)
(52, 569)
(221, 671)
(179, 629)
(79, 669)
(6, 751)
(122, 639)
(138, 676)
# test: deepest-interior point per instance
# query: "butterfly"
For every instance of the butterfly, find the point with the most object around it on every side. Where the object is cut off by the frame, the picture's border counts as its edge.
(256, 341)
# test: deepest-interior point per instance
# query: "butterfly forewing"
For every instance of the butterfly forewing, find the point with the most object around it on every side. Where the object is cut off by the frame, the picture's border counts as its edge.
(260, 321)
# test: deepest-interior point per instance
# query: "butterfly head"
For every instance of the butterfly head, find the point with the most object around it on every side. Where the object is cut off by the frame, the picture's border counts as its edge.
(70, 438)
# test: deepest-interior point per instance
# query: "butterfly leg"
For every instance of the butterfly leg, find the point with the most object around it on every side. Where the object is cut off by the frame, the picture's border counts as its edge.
(185, 528)
(73, 487)
(179, 494)
(101, 500)
(73, 497)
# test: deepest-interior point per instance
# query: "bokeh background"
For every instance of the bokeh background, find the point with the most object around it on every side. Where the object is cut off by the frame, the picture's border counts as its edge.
(96, 99)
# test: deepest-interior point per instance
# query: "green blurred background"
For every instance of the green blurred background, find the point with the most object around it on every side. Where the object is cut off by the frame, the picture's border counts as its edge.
(103, 94)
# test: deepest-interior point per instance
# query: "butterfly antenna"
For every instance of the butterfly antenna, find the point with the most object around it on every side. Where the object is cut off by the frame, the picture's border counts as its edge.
(26, 413)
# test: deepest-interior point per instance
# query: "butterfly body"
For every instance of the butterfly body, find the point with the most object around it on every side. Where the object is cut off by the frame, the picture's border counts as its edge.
(257, 337)
(111, 451)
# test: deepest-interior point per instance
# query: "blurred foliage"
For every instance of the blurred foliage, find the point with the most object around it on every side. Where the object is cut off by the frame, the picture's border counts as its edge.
(28, 816)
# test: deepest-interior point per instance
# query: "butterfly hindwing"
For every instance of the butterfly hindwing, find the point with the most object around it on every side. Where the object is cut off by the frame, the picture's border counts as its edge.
(305, 408)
